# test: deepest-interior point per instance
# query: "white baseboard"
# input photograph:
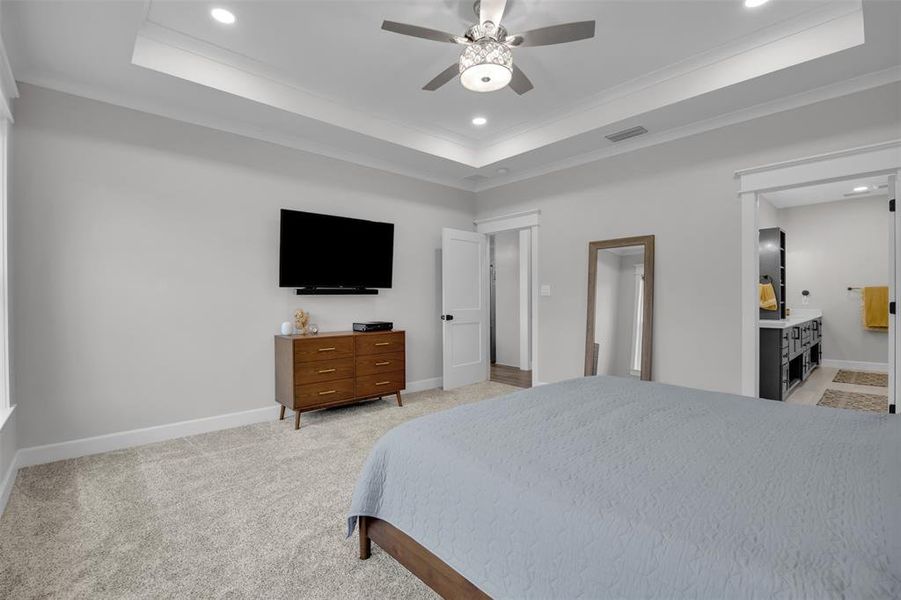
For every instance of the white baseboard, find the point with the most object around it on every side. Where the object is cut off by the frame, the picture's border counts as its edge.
(853, 365)
(423, 385)
(38, 455)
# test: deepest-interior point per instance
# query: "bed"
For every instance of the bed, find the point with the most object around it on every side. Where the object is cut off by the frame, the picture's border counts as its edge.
(610, 487)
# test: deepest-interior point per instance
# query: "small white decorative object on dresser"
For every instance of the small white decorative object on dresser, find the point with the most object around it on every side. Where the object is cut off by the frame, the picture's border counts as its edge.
(287, 328)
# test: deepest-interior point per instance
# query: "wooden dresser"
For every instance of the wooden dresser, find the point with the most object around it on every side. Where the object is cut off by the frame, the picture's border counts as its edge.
(331, 369)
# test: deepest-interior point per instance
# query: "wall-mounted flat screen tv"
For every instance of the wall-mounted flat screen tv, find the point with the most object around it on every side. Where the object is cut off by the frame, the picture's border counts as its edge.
(325, 251)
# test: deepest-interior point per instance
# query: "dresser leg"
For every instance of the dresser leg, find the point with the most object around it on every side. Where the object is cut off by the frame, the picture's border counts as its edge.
(281, 413)
(296, 420)
(399, 401)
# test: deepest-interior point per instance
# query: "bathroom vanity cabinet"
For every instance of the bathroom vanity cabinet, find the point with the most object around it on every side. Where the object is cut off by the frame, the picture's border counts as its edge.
(790, 349)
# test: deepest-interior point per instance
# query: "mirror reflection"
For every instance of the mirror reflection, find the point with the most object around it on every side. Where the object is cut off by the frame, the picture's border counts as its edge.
(618, 326)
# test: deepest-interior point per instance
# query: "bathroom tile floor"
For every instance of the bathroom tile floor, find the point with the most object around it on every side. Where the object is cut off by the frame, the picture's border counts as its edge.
(812, 390)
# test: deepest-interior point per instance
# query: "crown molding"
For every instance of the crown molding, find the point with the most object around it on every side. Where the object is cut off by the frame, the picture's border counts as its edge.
(829, 92)
(828, 28)
(229, 126)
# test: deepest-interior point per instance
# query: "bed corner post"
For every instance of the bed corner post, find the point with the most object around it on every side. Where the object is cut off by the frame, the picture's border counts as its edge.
(365, 542)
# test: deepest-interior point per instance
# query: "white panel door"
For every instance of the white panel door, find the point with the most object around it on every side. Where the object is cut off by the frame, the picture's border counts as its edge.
(464, 306)
(894, 340)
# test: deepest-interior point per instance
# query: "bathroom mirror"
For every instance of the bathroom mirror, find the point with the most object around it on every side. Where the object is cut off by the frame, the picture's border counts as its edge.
(620, 307)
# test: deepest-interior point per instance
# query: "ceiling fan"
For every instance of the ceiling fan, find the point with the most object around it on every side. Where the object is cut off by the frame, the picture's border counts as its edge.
(486, 63)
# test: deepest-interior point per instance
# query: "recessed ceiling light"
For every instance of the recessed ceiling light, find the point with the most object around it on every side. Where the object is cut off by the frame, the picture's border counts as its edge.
(755, 3)
(502, 170)
(861, 188)
(223, 16)
(479, 121)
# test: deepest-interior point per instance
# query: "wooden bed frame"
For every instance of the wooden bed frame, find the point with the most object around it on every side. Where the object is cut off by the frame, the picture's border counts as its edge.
(433, 571)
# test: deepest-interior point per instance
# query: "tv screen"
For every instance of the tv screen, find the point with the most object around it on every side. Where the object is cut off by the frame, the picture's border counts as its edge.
(334, 252)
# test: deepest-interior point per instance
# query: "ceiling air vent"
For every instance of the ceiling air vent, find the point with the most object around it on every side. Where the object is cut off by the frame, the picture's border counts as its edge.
(626, 134)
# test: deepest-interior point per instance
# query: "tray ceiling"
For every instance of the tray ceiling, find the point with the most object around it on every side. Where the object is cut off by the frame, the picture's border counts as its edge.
(322, 75)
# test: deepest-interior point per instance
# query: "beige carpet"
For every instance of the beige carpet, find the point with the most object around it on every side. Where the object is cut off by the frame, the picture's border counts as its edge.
(252, 512)
(862, 378)
(854, 401)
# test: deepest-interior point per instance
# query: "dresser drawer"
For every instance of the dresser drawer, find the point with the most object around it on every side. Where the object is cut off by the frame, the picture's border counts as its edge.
(380, 363)
(326, 392)
(324, 348)
(379, 343)
(380, 384)
(323, 370)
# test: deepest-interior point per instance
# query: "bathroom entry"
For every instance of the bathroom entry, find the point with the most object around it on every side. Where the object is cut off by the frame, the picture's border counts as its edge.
(510, 307)
(824, 294)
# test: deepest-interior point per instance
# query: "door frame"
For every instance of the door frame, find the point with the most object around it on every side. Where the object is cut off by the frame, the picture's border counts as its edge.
(876, 159)
(522, 221)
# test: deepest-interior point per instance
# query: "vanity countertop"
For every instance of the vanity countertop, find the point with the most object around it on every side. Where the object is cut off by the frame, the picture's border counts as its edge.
(797, 317)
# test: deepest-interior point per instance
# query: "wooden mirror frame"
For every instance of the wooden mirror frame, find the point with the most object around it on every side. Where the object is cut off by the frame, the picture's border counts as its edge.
(647, 333)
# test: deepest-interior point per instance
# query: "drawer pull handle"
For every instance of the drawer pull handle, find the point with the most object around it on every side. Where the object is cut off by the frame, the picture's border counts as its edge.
(382, 382)
(327, 393)
(326, 349)
(326, 371)
(383, 343)
(382, 364)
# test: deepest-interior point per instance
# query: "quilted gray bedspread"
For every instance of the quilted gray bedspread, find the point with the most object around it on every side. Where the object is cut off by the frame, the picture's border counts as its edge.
(613, 488)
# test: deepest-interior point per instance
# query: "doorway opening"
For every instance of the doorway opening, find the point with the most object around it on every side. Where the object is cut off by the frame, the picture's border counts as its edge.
(824, 267)
(510, 315)
(466, 299)
(876, 160)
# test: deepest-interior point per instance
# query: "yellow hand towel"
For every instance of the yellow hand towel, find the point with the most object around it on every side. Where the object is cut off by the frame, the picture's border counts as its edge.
(875, 307)
(767, 296)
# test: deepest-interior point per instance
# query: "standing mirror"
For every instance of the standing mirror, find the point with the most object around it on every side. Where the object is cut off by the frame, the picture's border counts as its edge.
(620, 307)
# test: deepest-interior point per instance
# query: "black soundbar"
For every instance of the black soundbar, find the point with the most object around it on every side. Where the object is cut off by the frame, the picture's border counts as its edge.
(318, 291)
(374, 326)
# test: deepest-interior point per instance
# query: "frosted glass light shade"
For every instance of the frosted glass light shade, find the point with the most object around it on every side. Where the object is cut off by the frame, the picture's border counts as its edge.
(486, 66)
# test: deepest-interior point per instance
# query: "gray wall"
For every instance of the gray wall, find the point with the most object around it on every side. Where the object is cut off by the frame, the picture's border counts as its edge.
(506, 260)
(144, 254)
(830, 247)
(767, 214)
(684, 192)
(144, 265)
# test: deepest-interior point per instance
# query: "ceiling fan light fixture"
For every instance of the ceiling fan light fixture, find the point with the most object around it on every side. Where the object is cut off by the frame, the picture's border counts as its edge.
(486, 66)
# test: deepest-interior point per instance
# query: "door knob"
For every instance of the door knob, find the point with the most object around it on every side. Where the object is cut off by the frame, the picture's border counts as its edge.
(447, 317)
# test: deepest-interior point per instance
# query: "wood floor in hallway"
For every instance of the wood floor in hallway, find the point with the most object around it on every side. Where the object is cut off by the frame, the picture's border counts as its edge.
(511, 376)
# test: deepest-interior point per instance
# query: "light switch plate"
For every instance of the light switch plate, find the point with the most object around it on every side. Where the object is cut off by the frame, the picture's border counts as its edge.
(545, 290)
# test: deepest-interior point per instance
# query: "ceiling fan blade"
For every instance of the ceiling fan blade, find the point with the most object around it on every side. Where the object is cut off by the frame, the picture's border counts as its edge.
(555, 34)
(519, 83)
(442, 78)
(492, 10)
(422, 32)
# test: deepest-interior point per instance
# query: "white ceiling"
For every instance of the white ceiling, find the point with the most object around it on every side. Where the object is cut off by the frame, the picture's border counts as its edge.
(829, 192)
(322, 76)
